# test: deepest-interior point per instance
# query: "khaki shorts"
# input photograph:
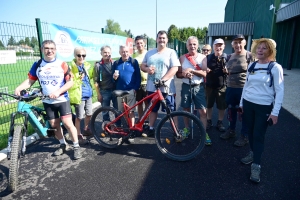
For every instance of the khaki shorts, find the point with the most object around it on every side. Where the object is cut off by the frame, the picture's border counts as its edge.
(129, 99)
(216, 95)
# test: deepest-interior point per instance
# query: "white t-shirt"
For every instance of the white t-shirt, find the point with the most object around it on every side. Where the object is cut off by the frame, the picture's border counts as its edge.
(162, 61)
(187, 64)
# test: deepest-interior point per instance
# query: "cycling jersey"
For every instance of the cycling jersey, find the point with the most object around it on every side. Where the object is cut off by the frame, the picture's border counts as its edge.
(52, 76)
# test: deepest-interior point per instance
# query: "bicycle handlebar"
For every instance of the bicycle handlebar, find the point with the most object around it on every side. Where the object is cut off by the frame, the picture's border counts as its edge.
(25, 98)
(159, 83)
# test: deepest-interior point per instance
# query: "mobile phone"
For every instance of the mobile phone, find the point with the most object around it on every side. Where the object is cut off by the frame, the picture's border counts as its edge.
(270, 122)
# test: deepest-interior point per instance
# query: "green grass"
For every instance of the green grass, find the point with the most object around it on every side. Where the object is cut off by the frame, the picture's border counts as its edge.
(11, 76)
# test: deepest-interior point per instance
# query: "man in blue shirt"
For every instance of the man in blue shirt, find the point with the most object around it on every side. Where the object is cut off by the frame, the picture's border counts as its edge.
(128, 77)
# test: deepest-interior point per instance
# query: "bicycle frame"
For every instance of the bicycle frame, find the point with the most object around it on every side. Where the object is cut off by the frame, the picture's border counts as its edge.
(156, 97)
(26, 110)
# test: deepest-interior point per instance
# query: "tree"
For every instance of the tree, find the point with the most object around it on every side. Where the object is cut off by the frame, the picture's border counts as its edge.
(33, 42)
(27, 41)
(21, 42)
(173, 33)
(11, 41)
(129, 34)
(114, 28)
(1, 44)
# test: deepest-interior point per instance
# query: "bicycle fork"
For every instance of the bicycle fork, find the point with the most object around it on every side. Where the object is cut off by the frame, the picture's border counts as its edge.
(11, 134)
(178, 137)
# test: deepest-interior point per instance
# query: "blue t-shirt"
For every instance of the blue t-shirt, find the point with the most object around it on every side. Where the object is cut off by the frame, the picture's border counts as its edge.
(129, 74)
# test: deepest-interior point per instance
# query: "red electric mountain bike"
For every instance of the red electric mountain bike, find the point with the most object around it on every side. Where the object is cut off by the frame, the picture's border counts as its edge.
(179, 135)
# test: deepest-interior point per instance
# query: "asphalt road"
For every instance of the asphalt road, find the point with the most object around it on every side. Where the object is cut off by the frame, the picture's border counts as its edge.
(140, 171)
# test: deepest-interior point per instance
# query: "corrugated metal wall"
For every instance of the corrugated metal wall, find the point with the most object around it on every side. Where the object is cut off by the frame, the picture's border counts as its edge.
(284, 44)
(254, 10)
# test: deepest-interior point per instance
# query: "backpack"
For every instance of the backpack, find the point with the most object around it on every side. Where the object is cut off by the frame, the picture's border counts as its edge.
(251, 70)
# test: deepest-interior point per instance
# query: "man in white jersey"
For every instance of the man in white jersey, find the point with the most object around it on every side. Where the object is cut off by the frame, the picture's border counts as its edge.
(192, 72)
(55, 80)
(161, 63)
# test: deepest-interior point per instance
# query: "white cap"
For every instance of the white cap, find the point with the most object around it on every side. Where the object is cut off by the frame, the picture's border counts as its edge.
(219, 41)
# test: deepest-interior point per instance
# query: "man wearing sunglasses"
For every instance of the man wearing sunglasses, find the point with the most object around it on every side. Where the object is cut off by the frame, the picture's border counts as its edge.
(55, 79)
(81, 93)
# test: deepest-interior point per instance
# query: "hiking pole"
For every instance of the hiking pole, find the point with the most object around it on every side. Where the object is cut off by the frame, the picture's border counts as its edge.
(192, 124)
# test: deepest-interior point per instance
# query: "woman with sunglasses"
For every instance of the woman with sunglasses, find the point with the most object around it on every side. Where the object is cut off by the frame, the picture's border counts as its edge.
(81, 93)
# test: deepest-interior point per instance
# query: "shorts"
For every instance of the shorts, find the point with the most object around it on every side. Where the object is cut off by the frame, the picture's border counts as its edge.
(216, 95)
(63, 108)
(129, 99)
(141, 92)
(198, 96)
(86, 106)
(170, 101)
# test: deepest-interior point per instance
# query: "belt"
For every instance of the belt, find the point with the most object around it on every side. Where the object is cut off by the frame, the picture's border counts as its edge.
(195, 85)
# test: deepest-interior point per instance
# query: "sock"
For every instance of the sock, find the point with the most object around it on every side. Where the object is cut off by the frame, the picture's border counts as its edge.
(75, 144)
(62, 141)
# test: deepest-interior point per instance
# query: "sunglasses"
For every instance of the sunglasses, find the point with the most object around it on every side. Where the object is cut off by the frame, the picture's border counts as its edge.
(78, 55)
(205, 50)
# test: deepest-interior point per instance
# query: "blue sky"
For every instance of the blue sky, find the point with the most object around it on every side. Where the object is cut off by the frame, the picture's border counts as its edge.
(138, 16)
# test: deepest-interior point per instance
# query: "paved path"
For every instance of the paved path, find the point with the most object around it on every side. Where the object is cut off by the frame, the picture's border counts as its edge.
(140, 171)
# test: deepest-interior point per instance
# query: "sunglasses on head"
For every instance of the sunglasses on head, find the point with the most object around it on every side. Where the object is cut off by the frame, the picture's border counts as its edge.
(205, 50)
(78, 55)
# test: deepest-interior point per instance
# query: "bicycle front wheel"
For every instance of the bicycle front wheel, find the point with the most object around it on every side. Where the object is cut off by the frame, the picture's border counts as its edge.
(191, 140)
(100, 118)
(15, 158)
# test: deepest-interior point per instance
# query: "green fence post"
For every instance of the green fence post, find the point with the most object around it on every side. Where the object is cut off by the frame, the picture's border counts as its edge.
(39, 34)
(147, 44)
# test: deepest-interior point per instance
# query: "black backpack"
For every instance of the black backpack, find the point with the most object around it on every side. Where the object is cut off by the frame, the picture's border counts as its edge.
(251, 70)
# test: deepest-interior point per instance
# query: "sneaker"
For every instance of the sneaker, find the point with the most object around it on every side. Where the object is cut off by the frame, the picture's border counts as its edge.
(242, 141)
(209, 124)
(61, 150)
(248, 159)
(185, 132)
(208, 140)
(82, 140)
(149, 133)
(255, 173)
(220, 126)
(229, 134)
(87, 132)
(77, 153)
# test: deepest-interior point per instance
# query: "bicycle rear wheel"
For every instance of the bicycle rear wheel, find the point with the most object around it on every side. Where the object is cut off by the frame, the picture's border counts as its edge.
(15, 158)
(192, 138)
(100, 118)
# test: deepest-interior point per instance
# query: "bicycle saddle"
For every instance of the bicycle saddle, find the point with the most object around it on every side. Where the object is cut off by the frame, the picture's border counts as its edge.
(120, 93)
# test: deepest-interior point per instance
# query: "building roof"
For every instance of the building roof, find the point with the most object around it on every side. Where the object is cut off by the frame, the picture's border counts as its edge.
(230, 28)
(289, 11)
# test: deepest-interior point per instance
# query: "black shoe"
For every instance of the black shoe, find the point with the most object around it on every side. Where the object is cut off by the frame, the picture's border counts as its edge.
(61, 150)
(220, 126)
(209, 124)
(149, 133)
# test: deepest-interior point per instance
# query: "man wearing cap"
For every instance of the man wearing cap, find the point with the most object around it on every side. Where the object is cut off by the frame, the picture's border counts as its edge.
(216, 83)
(236, 69)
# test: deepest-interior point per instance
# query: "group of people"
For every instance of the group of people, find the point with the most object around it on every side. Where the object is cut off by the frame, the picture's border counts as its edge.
(254, 97)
